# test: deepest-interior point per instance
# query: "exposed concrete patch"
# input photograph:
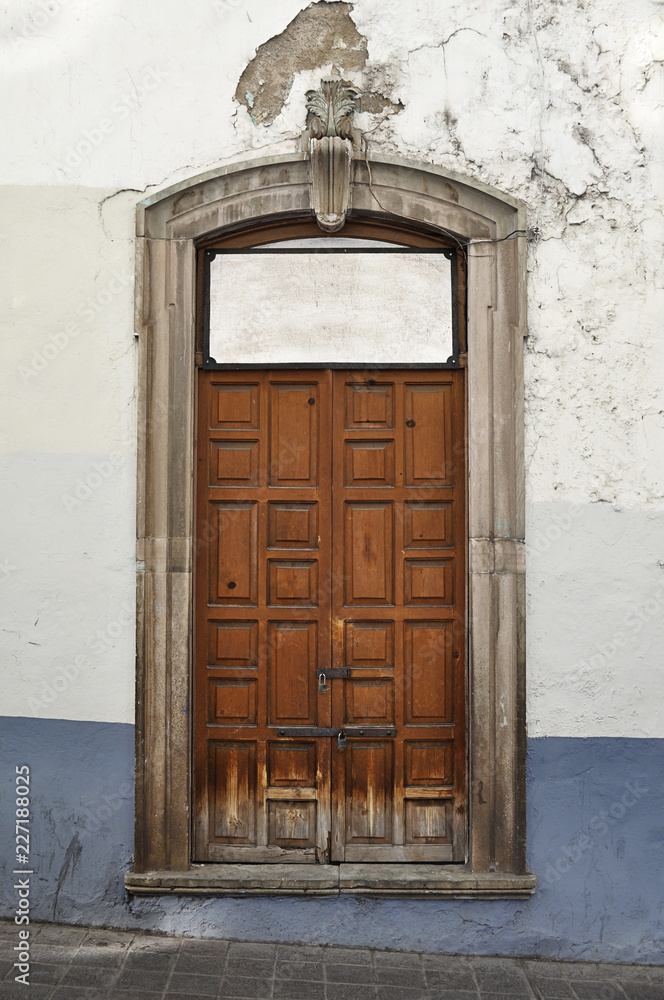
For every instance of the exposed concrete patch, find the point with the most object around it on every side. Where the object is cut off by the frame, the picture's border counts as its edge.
(321, 34)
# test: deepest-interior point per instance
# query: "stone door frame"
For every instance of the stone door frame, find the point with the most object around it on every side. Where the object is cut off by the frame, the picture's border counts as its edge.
(170, 227)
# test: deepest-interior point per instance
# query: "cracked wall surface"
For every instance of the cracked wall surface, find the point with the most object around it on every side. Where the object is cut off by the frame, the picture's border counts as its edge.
(557, 104)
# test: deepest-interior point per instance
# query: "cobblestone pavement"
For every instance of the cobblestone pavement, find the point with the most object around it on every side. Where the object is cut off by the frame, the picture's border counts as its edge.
(79, 963)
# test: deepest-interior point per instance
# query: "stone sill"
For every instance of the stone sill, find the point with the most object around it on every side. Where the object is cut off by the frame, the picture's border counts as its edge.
(416, 881)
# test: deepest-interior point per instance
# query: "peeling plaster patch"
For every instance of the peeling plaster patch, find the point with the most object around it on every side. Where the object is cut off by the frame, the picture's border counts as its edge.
(323, 33)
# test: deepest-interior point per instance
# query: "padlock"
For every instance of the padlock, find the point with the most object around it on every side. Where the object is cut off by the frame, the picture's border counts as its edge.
(322, 682)
(341, 740)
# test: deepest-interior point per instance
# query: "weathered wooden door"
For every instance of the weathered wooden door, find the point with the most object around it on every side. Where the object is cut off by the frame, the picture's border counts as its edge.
(329, 707)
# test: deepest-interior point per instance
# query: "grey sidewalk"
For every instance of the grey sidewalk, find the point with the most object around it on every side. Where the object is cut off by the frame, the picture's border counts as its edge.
(78, 963)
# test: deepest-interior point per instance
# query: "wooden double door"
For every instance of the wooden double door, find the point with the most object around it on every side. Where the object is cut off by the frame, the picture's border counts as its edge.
(329, 691)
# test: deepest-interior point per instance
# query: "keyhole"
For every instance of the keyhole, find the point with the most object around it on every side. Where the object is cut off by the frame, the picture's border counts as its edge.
(311, 401)
(231, 584)
(410, 423)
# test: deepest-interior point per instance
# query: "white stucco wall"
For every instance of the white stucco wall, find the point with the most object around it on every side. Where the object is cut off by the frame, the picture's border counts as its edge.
(558, 104)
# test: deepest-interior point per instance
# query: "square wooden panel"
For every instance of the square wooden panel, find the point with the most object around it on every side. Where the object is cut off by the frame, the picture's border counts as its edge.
(292, 584)
(232, 553)
(369, 701)
(428, 435)
(232, 644)
(369, 463)
(429, 762)
(233, 405)
(369, 405)
(292, 662)
(232, 701)
(427, 525)
(291, 765)
(233, 463)
(291, 823)
(428, 821)
(369, 644)
(429, 581)
(292, 525)
(428, 672)
(233, 792)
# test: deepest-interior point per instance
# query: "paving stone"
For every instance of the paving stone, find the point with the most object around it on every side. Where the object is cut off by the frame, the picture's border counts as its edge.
(78, 993)
(205, 946)
(447, 963)
(145, 960)
(596, 991)
(200, 965)
(411, 978)
(245, 965)
(401, 993)
(52, 954)
(44, 973)
(100, 957)
(453, 995)
(396, 960)
(253, 950)
(17, 991)
(151, 979)
(502, 982)
(451, 979)
(134, 995)
(551, 989)
(59, 934)
(300, 953)
(86, 975)
(252, 989)
(350, 991)
(181, 982)
(643, 991)
(154, 945)
(312, 971)
(349, 973)
(347, 956)
(297, 989)
(186, 996)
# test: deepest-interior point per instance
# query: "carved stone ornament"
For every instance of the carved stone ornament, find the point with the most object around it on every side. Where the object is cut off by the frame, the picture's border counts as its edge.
(330, 147)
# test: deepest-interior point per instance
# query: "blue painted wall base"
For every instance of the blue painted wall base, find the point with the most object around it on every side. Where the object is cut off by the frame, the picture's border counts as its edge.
(595, 840)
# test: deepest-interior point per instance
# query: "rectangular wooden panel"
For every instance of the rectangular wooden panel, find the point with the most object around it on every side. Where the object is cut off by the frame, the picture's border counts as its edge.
(369, 643)
(233, 406)
(369, 779)
(233, 563)
(291, 765)
(369, 571)
(233, 783)
(370, 463)
(428, 821)
(234, 463)
(292, 583)
(429, 581)
(369, 701)
(232, 702)
(429, 762)
(369, 405)
(427, 525)
(292, 525)
(292, 658)
(428, 672)
(428, 435)
(232, 643)
(292, 823)
(293, 434)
